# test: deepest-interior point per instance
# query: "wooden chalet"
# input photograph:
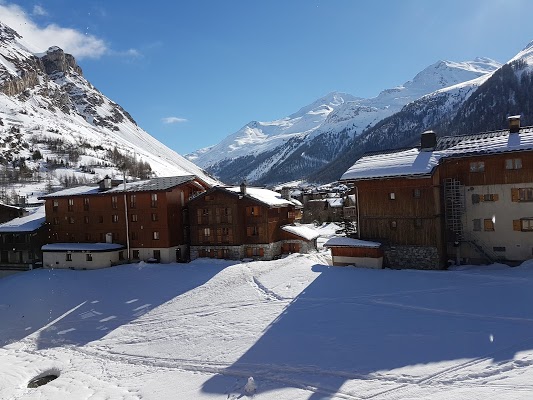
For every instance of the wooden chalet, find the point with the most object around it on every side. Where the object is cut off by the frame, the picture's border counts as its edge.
(241, 222)
(147, 218)
(8, 212)
(462, 199)
(20, 242)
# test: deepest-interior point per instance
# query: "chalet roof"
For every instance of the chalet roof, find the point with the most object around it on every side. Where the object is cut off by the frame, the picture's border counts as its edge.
(11, 207)
(302, 231)
(415, 162)
(28, 223)
(151, 185)
(349, 242)
(266, 196)
(95, 247)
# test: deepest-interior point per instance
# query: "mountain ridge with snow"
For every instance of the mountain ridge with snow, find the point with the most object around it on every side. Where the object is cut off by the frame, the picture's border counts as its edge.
(310, 138)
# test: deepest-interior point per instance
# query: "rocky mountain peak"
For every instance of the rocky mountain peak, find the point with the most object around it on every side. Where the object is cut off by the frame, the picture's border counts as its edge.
(56, 60)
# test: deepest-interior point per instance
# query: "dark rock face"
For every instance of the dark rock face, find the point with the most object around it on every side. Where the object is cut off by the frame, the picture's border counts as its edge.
(56, 60)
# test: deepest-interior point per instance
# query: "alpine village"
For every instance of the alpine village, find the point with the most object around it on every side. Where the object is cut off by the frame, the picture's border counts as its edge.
(455, 187)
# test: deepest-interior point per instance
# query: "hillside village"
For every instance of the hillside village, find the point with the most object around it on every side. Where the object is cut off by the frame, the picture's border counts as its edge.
(451, 200)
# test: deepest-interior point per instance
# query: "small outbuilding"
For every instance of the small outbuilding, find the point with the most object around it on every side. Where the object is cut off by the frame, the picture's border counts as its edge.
(82, 255)
(360, 253)
(298, 239)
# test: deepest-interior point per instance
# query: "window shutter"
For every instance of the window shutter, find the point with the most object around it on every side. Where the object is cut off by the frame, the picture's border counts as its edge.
(514, 194)
(517, 225)
(495, 197)
(248, 252)
(261, 252)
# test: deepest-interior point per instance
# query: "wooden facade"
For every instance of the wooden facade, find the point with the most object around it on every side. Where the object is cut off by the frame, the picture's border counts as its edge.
(150, 220)
(467, 207)
(229, 224)
(7, 212)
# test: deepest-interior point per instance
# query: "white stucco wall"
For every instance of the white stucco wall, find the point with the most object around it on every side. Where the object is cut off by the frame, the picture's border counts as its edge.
(518, 245)
(364, 262)
(58, 259)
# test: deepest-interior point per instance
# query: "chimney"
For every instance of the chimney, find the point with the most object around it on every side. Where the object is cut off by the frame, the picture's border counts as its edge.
(428, 141)
(514, 123)
(105, 184)
(243, 188)
(286, 193)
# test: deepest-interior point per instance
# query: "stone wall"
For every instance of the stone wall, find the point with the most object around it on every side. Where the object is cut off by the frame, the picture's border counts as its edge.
(411, 257)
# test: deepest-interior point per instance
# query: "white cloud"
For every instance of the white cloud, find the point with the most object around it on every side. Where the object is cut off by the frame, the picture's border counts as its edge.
(39, 10)
(39, 39)
(173, 120)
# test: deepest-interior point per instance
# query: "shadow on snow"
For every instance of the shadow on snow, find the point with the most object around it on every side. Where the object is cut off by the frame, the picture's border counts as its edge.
(352, 323)
(77, 307)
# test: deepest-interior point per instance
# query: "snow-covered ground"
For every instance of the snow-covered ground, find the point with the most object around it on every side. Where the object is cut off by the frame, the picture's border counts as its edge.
(300, 328)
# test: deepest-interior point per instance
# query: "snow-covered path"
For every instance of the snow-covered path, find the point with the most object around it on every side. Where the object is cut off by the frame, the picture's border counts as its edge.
(301, 329)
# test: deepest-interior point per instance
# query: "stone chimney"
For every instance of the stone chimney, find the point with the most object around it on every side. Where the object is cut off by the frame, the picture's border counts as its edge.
(428, 141)
(243, 188)
(286, 193)
(514, 123)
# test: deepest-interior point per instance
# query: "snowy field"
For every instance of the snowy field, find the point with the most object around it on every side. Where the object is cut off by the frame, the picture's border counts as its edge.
(300, 328)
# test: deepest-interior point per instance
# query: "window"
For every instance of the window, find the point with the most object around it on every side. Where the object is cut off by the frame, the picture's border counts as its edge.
(100, 219)
(477, 166)
(252, 231)
(70, 220)
(157, 254)
(153, 202)
(291, 214)
(154, 217)
(209, 197)
(56, 220)
(69, 257)
(155, 235)
(134, 218)
(490, 197)
(513, 163)
(102, 237)
(135, 254)
(393, 225)
(114, 202)
(86, 219)
(488, 224)
(114, 218)
(525, 194)
(475, 198)
(88, 257)
(476, 224)
(134, 235)
(70, 203)
(527, 224)
(253, 211)
(417, 193)
(55, 205)
(133, 201)
(86, 204)
(206, 233)
(205, 212)
(392, 196)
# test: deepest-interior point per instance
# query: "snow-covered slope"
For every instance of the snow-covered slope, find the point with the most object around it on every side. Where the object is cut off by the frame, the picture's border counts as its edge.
(310, 138)
(302, 330)
(47, 105)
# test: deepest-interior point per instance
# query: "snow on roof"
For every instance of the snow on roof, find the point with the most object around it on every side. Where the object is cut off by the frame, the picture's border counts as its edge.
(349, 242)
(335, 202)
(74, 191)
(153, 184)
(96, 247)
(416, 162)
(28, 223)
(302, 231)
(10, 206)
(297, 203)
(266, 196)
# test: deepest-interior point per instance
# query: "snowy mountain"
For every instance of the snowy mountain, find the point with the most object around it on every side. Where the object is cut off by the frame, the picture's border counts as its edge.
(292, 147)
(482, 104)
(52, 118)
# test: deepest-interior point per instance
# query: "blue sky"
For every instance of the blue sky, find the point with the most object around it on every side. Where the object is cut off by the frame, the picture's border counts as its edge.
(192, 72)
